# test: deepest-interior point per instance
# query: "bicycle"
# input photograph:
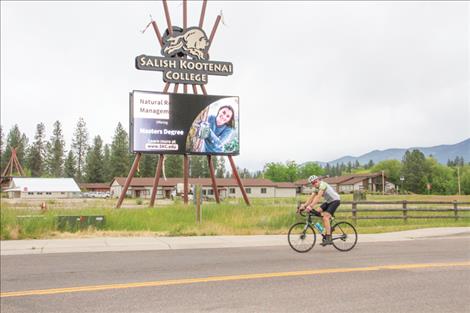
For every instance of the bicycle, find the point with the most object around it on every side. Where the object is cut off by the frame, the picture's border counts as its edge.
(302, 236)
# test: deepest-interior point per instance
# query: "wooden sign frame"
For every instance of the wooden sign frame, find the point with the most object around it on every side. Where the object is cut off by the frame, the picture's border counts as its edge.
(185, 90)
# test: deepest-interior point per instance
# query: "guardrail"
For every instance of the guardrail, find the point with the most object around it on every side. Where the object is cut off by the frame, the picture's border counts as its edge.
(357, 207)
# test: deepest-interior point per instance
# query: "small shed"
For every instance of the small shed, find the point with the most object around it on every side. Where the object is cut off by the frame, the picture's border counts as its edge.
(42, 188)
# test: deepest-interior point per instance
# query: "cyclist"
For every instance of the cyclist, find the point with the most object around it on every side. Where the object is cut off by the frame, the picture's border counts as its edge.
(327, 209)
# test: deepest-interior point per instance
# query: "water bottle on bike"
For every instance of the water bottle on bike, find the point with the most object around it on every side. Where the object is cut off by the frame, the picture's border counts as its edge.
(319, 227)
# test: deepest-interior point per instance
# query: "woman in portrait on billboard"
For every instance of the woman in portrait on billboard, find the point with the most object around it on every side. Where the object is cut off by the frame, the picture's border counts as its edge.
(215, 128)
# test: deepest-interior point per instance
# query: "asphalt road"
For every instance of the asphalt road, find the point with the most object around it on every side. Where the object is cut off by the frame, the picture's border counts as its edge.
(428, 275)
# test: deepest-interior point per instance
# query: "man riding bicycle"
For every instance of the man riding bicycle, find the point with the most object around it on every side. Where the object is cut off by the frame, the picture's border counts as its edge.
(327, 209)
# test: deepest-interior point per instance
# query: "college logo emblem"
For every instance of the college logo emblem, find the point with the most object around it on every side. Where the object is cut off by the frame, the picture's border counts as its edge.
(192, 42)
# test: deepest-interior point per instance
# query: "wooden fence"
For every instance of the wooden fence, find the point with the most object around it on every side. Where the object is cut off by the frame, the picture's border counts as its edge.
(358, 207)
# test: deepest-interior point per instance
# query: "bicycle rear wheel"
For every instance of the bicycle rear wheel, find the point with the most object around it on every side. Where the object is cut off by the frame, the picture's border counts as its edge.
(344, 236)
(301, 237)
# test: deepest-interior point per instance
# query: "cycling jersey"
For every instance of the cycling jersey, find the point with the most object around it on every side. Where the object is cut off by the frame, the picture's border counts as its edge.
(329, 193)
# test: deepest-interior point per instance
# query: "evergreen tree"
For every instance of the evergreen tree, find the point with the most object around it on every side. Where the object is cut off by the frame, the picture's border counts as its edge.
(94, 169)
(258, 174)
(198, 166)
(328, 170)
(174, 165)
(356, 164)
(2, 148)
(415, 171)
(220, 169)
(245, 173)
(147, 165)
(338, 170)
(369, 165)
(119, 160)
(80, 146)
(55, 152)
(107, 163)
(37, 152)
(15, 140)
(70, 169)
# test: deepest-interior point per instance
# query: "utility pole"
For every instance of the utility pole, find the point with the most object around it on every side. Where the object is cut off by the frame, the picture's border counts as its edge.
(383, 183)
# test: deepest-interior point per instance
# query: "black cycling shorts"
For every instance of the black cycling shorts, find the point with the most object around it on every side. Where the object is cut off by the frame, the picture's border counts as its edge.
(330, 207)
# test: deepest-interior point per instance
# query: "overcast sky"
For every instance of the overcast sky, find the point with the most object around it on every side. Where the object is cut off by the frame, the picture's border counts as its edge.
(316, 80)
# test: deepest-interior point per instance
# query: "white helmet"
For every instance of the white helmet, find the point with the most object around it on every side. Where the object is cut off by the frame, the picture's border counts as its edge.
(313, 178)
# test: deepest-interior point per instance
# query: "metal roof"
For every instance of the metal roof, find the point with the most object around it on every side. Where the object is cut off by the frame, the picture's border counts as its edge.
(37, 184)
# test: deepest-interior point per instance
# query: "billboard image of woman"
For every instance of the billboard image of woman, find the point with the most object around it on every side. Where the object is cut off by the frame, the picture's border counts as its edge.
(215, 129)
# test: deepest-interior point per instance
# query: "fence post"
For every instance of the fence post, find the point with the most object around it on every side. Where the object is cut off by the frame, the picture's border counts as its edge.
(456, 211)
(197, 199)
(354, 212)
(405, 211)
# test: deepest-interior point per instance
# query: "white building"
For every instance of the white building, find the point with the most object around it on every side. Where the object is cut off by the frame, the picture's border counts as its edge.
(42, 188)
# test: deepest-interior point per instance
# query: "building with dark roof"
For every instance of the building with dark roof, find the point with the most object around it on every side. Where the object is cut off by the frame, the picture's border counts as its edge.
(227, 187)
(372, 182)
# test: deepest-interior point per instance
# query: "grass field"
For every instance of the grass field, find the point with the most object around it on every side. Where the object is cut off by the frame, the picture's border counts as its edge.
(232, 217)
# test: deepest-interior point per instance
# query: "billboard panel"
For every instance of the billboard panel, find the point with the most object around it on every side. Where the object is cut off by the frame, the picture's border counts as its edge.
(181, 123)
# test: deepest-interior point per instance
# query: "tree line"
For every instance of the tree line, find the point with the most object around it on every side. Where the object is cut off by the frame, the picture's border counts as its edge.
(415, 173)
(98, 162)
(94, 161)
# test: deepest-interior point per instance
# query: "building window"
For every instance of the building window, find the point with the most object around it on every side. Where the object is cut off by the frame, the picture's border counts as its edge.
(48, 193)
(204, 192)
(263, 190)
(210, 192)
(39, 193)
(248, 190)
(30, 193)
(62, 193)
(231, 190)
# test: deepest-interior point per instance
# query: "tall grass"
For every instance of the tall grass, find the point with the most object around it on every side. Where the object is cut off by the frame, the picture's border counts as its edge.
(232, 217)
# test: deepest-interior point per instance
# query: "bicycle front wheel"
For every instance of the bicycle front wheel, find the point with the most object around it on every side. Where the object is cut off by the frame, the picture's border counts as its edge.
(301, 237)
(344, 236)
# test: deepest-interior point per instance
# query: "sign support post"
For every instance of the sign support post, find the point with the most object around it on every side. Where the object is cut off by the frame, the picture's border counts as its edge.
(129, 178)
(157, 178)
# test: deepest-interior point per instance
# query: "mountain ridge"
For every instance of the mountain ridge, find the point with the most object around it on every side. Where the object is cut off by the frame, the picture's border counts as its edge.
(442, 153)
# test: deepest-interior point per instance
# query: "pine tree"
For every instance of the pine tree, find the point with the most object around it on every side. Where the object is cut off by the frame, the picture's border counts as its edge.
(107, 163)
(119, 160)
(80, 146)
(94, 169)
(15, 140)
(2, 144)
(328, 170)
(147, 165)
(369, 165)
(37, 152)
(198, 166)
(55, 152)
(220, 172)
(174, 165)
(70, 169)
